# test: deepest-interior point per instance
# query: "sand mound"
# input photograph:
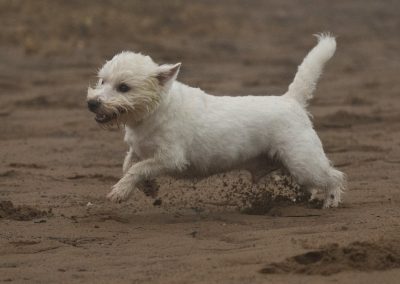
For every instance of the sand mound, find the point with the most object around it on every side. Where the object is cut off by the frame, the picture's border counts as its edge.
(361, 256)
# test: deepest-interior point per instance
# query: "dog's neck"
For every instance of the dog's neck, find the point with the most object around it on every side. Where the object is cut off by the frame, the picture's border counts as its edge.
(170, 105)
(165, 102)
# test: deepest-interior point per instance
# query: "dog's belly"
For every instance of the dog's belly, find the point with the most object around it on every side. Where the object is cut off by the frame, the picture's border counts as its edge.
(257, 166)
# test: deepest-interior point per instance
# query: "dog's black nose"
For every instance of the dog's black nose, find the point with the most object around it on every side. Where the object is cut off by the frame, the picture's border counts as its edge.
(93, 104)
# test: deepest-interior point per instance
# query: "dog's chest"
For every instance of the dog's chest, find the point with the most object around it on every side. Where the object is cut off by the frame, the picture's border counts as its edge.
(143, 147)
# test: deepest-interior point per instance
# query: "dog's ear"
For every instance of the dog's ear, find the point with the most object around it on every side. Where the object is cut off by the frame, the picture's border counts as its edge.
(167, 73)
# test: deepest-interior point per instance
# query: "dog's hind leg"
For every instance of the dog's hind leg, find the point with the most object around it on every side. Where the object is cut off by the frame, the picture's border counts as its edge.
(304, 158)
(334, 188)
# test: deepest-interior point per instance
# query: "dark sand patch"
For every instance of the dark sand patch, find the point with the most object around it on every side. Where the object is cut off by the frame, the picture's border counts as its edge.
(331, 259)
(21, 213)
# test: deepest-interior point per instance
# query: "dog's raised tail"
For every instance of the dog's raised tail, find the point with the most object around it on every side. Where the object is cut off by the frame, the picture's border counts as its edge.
(303, 86)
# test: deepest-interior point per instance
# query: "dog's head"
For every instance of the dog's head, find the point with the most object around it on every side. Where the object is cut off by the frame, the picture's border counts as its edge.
(130, 87)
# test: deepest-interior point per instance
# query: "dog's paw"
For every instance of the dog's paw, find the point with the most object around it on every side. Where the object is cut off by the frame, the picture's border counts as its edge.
(331, 201)
(119, 193)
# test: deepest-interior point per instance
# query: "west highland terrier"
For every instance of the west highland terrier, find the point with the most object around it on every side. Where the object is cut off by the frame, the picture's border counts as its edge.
(174, 129)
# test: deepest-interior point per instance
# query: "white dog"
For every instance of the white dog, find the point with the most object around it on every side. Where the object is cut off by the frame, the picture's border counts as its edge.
(178, 130)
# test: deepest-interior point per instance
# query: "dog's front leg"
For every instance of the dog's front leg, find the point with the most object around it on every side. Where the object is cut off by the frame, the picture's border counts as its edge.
(149, 187)
(137, 173)
(130, 158)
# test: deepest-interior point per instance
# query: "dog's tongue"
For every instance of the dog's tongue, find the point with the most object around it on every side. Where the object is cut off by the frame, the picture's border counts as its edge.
(102, 118)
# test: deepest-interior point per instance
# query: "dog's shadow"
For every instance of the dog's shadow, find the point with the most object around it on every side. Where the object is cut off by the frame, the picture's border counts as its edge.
(282, 206)
(265, 205)
(168, 200)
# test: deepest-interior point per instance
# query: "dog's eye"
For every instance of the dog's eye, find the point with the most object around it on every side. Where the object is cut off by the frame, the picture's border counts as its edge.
(123, 88)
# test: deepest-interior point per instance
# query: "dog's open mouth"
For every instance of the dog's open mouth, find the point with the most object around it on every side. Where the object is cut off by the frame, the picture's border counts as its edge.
(103, 118)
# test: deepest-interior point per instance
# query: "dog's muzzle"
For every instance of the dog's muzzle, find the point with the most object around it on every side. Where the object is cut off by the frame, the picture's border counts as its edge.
(93, 105)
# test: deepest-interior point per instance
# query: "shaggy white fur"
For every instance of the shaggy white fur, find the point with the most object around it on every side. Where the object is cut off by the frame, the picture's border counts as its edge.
(178, 130)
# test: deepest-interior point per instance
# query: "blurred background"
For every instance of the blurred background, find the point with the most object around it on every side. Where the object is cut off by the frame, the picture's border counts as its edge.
(255, 45)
